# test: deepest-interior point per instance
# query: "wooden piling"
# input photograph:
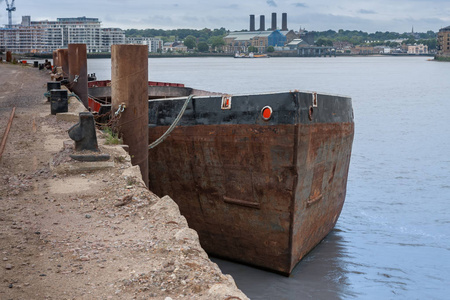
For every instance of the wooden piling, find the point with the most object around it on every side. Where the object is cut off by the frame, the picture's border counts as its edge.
(129, 87)
(78, 76)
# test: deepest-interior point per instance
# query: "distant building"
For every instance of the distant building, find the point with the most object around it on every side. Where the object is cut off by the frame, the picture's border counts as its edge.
(111, 36)
(22, 38)
(342, 47)
(364, 50)
(154, 44)
(418, 49)
(65, 31)
(383, 49)
(294, 44)
(174, 47)
(443, 42)
(47, 36)
(290, 36)
(306, 36)
(240, 41)
(260, 38)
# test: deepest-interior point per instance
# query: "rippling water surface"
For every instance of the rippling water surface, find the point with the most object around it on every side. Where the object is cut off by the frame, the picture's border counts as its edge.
(392, 240)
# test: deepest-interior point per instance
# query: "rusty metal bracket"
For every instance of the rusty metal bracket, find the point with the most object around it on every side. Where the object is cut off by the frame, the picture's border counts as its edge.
(245, 203)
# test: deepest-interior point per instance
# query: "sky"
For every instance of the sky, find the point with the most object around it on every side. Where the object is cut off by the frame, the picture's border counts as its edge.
(312, 15)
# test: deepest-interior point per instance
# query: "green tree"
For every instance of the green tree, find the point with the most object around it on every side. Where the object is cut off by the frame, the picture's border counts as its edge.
(270, 49)
(203, 47)
(217, 42)
(395, 44)
(431, 43)
(190, 42)
(409, 41)
(252, 49)
(324, 42)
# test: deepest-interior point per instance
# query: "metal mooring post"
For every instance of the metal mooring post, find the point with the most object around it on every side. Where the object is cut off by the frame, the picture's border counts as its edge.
(59, 101)
(52, 85)
(55, 59)
(78, 77)
(63, 61)
(129, 87)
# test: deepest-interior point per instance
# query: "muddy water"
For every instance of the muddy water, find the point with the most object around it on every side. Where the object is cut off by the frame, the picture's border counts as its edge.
(392, 240)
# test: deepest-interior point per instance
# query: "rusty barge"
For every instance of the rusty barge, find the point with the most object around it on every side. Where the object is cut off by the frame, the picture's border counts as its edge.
(99, 93)
(261, 178)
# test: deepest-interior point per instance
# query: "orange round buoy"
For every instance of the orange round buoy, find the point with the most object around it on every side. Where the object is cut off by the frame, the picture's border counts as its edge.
(266, 113)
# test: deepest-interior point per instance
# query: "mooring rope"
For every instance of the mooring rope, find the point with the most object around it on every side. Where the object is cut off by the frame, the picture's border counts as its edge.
(48, 94)
(174, 124)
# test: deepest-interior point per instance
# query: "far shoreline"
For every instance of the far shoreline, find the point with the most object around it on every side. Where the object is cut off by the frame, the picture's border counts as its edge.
(190, 55)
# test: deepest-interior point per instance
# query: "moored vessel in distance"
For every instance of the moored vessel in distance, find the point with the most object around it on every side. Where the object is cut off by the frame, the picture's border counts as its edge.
(250, 55)
(262, 178)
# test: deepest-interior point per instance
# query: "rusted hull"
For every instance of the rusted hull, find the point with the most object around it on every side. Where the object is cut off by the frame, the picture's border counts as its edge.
(260, 192)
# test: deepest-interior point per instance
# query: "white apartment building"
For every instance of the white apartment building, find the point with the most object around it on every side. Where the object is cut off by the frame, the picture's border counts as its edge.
(22, 39)
(111, 36)
(65, 31)
(153, 43)
(47, 36)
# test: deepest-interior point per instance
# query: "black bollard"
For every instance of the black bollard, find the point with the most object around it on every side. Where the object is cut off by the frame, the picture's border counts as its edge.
(83, 133)
(53, 85)
(59, 101)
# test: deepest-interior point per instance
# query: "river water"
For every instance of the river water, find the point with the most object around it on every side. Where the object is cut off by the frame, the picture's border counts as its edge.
(392, 240)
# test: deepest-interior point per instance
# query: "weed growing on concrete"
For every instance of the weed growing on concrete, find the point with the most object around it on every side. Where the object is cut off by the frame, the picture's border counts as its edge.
(112, 138)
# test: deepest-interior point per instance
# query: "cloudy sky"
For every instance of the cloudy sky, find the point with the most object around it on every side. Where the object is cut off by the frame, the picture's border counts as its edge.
(318, 15)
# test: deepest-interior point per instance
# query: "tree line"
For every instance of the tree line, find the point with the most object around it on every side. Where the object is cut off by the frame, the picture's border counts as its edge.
(173, 35)
(202, 39)
(326, 38)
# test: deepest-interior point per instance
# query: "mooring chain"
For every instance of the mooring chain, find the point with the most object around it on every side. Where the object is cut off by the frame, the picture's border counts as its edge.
(112, 119)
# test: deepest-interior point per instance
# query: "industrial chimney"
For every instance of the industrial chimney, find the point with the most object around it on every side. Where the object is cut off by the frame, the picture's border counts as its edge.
(284, 22)
(252, 22)
(262, 23)
(274, 21)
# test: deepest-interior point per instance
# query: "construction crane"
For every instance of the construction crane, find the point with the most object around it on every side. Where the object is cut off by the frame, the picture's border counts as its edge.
(10, 9)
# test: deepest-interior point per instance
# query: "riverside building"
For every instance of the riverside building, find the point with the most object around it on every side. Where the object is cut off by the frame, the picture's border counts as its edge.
(153, 43)
(444, 42)
(47, 36)
(262, 38)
